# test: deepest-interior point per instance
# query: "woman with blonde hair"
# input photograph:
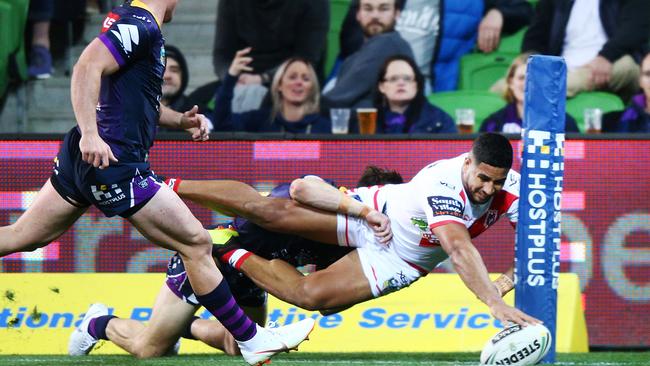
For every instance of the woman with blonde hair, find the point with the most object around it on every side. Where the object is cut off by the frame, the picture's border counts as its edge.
(295, 99)
(509, 118)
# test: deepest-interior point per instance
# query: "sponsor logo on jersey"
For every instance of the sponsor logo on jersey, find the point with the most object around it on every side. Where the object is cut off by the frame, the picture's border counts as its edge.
(395, 283)
(105, 195)
(427, 240)
(143, 18)
(448, 185)
(446, 206)
(163, 56)
(109, 20)
(128, 35)
(491, 217)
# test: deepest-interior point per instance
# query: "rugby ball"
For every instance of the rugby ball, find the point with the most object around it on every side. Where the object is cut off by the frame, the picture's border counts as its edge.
(517, 345)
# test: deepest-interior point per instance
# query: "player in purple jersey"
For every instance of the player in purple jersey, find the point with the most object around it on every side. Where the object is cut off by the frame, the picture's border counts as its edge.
(115, 92)
(172, 314)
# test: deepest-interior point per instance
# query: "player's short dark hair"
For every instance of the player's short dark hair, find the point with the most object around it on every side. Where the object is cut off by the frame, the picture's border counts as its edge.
(492, 149)
(373, 176)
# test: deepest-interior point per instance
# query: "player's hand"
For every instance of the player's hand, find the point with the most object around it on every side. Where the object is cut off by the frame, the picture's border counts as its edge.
(506, 314)
(240, 62)
(380, 224)
(601, 71)
(489, 31)
(95, 151)
(202, 132)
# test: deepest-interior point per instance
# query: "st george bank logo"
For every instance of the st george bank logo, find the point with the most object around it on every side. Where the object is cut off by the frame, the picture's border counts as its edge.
(371, 318)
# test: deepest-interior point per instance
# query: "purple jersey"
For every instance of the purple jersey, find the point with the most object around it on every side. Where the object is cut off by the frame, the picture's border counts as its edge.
(129, 100)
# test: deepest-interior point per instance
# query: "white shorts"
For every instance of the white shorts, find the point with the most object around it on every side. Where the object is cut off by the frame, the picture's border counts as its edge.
(385, 271)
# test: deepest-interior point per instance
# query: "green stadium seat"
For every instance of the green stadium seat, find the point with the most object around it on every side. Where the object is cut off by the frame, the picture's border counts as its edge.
(478, 71)
(483, 103)
(12, 37)
(5, 45)
(20, 58)
(607, 102)
(338, 10)
(512, 43)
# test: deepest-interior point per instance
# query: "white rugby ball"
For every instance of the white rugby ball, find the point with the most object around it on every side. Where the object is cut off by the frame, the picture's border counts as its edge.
(517, 345)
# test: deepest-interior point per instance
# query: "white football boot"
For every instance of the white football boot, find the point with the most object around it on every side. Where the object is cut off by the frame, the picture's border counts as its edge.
(81, 342)
(269, 342)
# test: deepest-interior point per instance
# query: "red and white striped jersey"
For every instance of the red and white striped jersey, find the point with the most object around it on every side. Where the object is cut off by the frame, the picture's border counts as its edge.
(436, 196)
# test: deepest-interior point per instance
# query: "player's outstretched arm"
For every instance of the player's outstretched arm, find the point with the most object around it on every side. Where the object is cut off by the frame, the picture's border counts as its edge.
(467, 261)
(315, 192)
(95, 61)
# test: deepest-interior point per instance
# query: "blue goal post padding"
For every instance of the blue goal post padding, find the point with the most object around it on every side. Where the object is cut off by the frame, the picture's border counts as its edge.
(537, 249)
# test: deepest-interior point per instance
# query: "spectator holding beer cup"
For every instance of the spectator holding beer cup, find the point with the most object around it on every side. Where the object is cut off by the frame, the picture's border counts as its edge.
(400, 103)
(509, 118)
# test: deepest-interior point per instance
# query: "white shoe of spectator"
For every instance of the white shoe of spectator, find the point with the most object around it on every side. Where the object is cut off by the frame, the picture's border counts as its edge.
(81, 342)
(269, 342)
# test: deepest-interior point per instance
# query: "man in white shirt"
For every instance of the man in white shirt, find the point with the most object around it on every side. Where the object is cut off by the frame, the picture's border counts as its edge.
(601, 40)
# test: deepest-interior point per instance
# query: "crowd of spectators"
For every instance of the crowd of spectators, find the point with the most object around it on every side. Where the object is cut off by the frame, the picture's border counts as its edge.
(269, 59)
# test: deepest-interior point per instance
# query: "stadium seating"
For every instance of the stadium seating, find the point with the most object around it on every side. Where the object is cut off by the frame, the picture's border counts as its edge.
(483, 103)
(512, 43)
(13, 65)
(5, 32)
(338, 9)
(478, 71)
(607, 102)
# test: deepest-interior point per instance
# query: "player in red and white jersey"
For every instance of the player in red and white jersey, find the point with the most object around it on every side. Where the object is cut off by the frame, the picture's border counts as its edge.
(434, 217)
(436, 196)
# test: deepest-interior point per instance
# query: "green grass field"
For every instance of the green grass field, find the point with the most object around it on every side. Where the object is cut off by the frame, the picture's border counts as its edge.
(325, 359)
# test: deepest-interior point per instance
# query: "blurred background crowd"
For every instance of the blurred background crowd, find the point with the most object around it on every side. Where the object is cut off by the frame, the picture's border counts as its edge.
(349, 66)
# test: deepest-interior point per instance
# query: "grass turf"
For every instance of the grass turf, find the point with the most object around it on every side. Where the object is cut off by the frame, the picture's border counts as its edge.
(325, 359)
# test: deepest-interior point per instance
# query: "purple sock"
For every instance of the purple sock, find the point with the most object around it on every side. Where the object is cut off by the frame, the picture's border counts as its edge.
(97, 326)
(222, 305)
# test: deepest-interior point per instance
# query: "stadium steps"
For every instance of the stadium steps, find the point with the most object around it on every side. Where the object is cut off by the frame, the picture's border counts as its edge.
(48, 101)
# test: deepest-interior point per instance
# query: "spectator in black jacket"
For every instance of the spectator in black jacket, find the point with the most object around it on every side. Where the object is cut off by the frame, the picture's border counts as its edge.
(275, 30)
(601, 44)
(175, 80)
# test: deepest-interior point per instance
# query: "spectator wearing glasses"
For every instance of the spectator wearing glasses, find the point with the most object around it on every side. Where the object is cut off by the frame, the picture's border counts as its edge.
(401, 104)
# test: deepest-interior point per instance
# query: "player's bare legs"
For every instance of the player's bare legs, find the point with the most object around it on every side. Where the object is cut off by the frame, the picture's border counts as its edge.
(170, 316)
(166, 221)
(215, 335)
(275, 214)
(340, 285)
(46, 219)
